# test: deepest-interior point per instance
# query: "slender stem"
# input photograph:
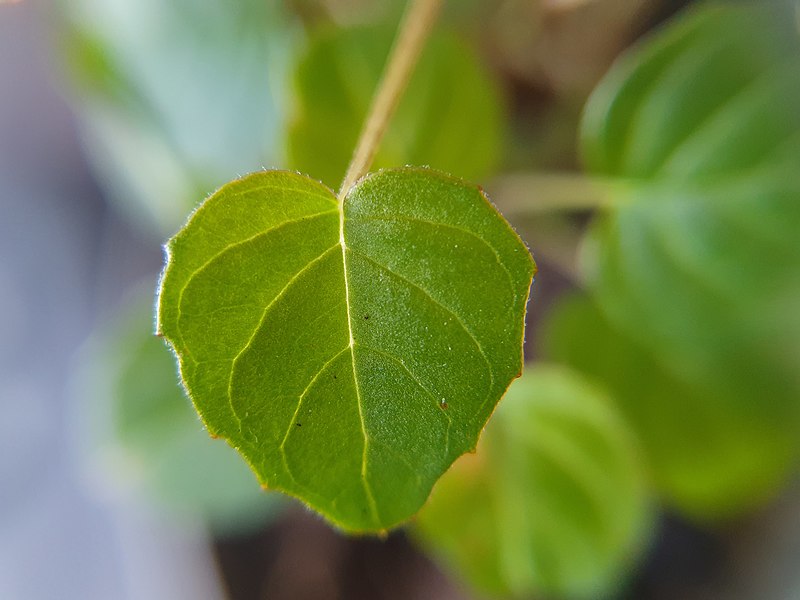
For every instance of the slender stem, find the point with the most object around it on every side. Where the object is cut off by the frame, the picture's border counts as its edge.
(413, 32)
(529, 194)
(538, 203)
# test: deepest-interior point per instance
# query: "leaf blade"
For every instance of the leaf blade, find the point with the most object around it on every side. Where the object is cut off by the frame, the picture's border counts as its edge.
(368, 304)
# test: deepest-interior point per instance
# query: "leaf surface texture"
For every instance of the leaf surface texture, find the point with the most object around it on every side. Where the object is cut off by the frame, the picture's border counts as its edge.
(351, 351)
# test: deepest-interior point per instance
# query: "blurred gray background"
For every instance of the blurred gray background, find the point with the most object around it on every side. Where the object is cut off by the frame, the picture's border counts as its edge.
(64, 262)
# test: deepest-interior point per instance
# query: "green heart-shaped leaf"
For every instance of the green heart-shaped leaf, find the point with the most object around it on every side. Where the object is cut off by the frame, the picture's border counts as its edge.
(350, 351)
(555, 501)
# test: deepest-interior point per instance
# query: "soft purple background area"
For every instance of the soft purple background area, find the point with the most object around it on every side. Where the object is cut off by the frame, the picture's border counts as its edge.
(64, 262)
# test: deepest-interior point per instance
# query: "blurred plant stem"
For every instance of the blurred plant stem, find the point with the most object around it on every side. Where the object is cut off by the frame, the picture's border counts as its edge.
(417, 24)
(541, 204)
(530, 194)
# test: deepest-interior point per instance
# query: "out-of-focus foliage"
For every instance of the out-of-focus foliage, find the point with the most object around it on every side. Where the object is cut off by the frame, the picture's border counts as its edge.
(186, 92)
(554, 502)
(141, 431)
(709, 455)
(688, 325)
(699, 260)
(349, 13)
(335, 82)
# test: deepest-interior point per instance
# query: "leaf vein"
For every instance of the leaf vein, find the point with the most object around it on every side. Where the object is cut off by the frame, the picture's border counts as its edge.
(437, 303)
(257, 328)
(445, 226)
(359, 402)
(289, 429)
(400, 361)
(324, 194)
(228, 248)
(425, 389)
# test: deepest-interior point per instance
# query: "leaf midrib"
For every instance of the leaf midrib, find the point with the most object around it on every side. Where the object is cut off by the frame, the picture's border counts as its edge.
(426, 294)
(359, 403)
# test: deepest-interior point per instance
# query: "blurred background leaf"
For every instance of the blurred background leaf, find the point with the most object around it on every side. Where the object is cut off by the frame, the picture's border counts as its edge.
(708, 455)
(699, 261)
(188, 93)
(450, 118)
(697, 265)
(144, 436)
(555, 501)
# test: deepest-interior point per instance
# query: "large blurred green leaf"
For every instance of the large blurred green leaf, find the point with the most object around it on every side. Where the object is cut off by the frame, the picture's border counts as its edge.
(553, 503)
(449, 118)
(710, 457)
(704, 123)
(175, 96)
(699, 261)
(145, 436)
(353, 349)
